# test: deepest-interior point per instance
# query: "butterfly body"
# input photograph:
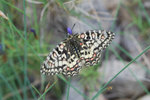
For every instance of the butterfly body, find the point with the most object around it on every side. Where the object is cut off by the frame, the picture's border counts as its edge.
(77, 51)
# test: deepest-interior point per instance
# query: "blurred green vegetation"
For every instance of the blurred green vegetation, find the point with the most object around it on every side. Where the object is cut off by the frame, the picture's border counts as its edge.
(22, 54)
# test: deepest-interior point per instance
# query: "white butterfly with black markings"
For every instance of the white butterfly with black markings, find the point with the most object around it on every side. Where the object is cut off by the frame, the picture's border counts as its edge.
(77, 51)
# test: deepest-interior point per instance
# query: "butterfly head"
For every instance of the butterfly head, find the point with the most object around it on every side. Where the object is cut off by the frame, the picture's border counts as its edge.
(69, 31)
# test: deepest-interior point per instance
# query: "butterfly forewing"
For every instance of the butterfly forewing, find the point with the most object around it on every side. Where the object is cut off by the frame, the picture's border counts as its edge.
(76, 51)
(93, 42)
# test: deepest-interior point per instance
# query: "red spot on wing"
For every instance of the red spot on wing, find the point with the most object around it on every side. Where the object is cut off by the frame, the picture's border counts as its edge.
(76, 66)
(72, 69)
(68, 68)
(61, 46)
(82, 35)
(102, 37)
(82, 58)
(94, 55)
(92, 58)
(81, 43)
(87, 59)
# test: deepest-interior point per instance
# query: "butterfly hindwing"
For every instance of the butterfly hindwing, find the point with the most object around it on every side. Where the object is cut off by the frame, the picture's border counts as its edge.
(61, 60)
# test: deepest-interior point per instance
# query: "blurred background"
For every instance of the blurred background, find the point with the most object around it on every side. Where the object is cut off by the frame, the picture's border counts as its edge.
(30, 29)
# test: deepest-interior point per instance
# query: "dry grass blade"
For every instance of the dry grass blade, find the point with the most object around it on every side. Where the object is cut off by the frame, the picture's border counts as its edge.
(3, 15)
(47, 86)
(34, 2)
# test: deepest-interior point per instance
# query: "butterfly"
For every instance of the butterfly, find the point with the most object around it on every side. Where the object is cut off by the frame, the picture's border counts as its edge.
(77, 51)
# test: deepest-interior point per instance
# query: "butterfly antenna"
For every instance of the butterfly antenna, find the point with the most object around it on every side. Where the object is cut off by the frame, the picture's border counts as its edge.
(73, 27)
